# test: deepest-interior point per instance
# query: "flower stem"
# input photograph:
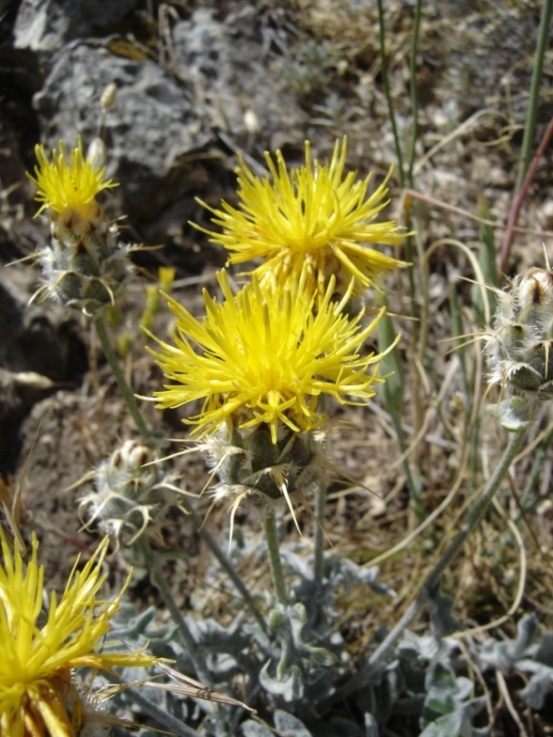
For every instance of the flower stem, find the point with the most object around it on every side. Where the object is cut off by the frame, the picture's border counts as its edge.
(474, 518)
(387, 91)
(274, 556)
(414, 92)
(530, 126)
(224, 561)
(158, 578)
(318, 572)
(126, 391)
(379, 658)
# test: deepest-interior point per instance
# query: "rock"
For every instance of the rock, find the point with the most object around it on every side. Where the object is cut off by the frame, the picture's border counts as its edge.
(152, 123)
(227, 63)
(215, 80)
(46, 25)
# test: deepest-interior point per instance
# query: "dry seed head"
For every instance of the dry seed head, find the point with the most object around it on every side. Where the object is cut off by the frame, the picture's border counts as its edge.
(130, 497)
(519, 345)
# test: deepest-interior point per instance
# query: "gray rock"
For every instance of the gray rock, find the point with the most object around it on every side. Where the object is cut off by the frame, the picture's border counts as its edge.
(231, 69)
(46, 25)
(152, 123)
(215, 79)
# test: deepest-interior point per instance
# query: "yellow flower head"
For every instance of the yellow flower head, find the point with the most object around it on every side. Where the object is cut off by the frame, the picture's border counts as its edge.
(62, 186)
(38, 652)
(313, 215)
(265, 356)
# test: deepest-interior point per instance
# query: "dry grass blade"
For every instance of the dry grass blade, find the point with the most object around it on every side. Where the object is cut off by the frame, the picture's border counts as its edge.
(189, 687)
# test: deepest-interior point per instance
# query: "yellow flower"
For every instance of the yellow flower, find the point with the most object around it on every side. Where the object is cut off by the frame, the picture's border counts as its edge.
(38, 651)
(265, 358)
(62, 186)
(313, 215)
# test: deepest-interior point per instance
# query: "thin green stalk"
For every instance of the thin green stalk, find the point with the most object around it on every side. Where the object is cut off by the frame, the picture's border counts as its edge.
(537, 465)
(379, 658)
(530, 126)
(320, 509)
(158, 578)
(414, 92)
(387, 91)
(224, 561)
(126, 391)
(274, 556)
(392, 393)
(473, 520)
(519, 198)
(413, 483)
(409, 250)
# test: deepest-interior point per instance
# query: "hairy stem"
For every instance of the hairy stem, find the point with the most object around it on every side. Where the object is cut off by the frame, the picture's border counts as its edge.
(274, 556)
(224, 562)
(159, 579)
(320, 508)
(126, 391)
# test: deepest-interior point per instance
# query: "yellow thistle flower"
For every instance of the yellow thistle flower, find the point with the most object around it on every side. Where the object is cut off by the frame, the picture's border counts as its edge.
(265, 358)
(38, 652)
(313, 215)
(62, 186)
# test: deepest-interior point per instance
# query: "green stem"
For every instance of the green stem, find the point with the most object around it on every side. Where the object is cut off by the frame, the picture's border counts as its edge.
(399, 155)
(165, 590)
(387, 91)
(320, 509)
(379, 657)
(414, 92)
(274, 556)
(224, 561)
(537, 465)
(530, 127)
(474, 518)
(126, 391)
(413, 484)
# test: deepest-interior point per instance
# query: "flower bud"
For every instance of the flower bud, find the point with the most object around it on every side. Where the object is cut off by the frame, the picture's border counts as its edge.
(130, 497)
(85, 264)
(519, 347)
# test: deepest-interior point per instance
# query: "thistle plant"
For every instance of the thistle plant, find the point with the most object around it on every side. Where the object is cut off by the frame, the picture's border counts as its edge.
(259, 376)
(262, 360)
(265, 360)
(85, 264)
(518, 356)
(518, 346)
(132, 495)
(42, 651)
(314, 217)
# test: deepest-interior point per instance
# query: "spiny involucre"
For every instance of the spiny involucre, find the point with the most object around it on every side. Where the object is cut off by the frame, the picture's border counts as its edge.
(85, 264)
(519, 345)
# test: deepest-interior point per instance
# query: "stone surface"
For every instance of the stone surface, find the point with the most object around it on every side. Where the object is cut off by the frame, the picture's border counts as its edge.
(45, 25)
